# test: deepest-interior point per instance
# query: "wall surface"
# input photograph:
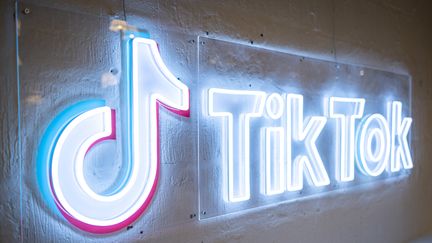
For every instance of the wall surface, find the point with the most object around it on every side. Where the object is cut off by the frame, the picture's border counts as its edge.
(54, 52)
(9, 162)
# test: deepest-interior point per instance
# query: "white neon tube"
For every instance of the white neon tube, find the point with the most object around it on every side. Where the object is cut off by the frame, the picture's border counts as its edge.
(345, 111)
(274, 160)
(152, 85)
(307, 135)
(400, 151)
(373, 161)
(236, 107)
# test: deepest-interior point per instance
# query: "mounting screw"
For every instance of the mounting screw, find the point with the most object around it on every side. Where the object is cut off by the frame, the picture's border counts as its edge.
(26, 11)
(114, 71)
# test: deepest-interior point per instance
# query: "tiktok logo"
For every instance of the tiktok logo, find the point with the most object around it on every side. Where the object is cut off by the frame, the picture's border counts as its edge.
(74, 131)
(264, 140)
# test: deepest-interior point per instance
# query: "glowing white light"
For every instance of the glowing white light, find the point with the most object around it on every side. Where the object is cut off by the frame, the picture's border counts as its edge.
(68, 180)
(345, 111)
(375, 155)
(308, 134)
(274, 147)
(274, 160)
(105, 131)
(151, 84)
(399, 151)
(274, 106)
(373, 161)
(236, 107)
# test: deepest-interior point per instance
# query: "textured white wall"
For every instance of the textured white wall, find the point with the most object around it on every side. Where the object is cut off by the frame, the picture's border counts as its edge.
(9, 179)
(388, 35)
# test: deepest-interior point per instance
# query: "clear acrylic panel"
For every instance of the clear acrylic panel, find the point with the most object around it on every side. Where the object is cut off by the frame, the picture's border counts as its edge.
(232, 66)
(70, 56)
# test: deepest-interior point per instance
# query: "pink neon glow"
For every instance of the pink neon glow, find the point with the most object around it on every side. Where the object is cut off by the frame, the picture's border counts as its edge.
(111, 228)
(185, 113)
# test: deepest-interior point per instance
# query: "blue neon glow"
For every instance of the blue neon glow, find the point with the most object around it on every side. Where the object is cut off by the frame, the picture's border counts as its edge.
(57, 125)
(49, 140)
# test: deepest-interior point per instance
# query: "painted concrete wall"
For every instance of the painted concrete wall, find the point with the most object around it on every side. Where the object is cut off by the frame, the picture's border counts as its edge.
(9, 179)
(388, 35)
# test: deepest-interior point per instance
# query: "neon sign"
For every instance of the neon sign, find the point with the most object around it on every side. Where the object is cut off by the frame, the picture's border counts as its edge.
(74, 131)
(372, 143)
(279, 127)
(260, 144)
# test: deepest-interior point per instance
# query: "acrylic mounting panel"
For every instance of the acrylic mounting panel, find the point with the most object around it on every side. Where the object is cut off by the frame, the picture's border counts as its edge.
(69, 56)
(235, 79)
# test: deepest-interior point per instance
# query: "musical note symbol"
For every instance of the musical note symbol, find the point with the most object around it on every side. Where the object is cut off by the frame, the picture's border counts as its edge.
(75, 130)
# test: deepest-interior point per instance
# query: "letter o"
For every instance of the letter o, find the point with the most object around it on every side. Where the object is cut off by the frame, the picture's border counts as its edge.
(372, 158)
